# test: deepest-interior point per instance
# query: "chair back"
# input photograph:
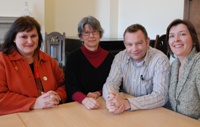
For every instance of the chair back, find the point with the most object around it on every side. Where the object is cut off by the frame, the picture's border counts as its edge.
(55, 47)
(161, 44)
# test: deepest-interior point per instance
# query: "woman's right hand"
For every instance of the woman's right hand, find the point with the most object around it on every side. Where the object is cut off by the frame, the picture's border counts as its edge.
(90, 103)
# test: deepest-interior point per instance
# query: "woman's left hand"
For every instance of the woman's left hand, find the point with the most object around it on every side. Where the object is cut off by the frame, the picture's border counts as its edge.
(52, 99)
(90, 103)
(94, 95)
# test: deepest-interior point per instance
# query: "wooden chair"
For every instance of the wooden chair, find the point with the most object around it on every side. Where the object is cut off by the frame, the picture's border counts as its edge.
(161, 44)
(55, 47)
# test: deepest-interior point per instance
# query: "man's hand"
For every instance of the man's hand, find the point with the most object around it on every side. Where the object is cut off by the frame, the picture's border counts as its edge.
(116, 104)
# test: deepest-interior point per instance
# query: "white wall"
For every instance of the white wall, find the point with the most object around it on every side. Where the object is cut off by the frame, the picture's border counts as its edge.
(66, 14)
(114, 15)
(15, 8)
(107, 13)
(154, 15)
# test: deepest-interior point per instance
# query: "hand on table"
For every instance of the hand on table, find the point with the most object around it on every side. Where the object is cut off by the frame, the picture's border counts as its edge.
(49, 99)
(116, 104)
(90, 103)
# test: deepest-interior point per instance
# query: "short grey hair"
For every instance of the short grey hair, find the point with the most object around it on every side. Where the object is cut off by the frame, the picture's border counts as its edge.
(92, 22)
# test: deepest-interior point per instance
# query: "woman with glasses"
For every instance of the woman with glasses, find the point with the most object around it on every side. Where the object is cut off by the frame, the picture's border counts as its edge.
(87, 67)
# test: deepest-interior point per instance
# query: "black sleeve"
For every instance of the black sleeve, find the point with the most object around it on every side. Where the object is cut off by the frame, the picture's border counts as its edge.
(71, 80)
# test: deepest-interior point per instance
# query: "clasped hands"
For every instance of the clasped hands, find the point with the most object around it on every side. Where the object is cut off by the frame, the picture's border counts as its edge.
(116, 104)
(49, 99)
(90, 102)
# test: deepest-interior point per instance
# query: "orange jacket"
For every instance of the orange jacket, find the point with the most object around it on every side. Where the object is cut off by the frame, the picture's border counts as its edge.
(18, 91)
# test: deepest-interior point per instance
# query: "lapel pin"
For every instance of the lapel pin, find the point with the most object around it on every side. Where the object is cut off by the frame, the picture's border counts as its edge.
(16, 68)
(45, 78)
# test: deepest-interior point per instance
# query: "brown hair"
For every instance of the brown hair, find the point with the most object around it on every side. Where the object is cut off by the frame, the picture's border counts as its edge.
(191, 29)
(134, 28)
(24, 23)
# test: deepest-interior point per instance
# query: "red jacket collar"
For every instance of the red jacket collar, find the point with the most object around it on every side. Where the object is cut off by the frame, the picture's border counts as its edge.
(17, 56)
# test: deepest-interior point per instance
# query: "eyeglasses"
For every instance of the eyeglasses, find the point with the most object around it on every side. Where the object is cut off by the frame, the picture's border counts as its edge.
(87, 33)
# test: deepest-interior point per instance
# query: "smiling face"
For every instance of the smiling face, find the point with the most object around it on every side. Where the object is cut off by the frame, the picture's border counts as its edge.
(180, 40)
(136, 45)
(90, 38)
(27, 42)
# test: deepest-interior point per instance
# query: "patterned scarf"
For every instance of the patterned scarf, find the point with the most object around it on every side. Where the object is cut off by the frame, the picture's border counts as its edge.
(36, 73)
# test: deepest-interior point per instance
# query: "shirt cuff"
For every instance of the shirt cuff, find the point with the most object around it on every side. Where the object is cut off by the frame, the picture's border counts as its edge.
(78, 96)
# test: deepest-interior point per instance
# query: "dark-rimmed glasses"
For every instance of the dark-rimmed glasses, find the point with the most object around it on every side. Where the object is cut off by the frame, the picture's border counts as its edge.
(87, 33)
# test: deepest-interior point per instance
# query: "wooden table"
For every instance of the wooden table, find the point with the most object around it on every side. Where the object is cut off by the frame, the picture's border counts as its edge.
(12, 120)
(76, 115)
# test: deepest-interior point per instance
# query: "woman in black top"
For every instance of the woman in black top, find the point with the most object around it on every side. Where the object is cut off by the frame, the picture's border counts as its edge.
(88, 67)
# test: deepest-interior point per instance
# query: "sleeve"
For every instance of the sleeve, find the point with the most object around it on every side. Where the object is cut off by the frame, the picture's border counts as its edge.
(11, 102)
(158, 97)
(59, 75)
(114, 79)
(71, 77)
(198, 81)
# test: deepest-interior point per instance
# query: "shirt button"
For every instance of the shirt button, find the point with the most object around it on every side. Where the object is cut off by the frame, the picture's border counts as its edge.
(45, 78)
(177, 102)
(16, 68)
